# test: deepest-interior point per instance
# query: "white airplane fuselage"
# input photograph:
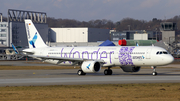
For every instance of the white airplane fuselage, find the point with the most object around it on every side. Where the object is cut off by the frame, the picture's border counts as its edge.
(113, 56)
(91, 59)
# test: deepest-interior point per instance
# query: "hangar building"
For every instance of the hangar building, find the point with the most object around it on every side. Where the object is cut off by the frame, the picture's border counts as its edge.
(78, 34)
(136, 34)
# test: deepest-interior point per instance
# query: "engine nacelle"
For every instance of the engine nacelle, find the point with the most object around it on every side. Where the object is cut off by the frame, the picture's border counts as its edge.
(130, 69)
(91, 66)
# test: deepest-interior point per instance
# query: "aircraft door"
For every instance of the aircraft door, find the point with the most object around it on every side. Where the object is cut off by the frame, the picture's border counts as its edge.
(148, 53)
(116, 58)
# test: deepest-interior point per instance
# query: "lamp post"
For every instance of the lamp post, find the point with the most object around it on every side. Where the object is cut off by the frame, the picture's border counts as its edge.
(156, 33)
(129, 27)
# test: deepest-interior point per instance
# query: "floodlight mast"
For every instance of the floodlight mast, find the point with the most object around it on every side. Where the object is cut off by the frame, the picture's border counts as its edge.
(1, 17)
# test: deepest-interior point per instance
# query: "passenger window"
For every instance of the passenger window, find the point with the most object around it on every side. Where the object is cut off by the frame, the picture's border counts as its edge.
(157, 53)
(160, 52)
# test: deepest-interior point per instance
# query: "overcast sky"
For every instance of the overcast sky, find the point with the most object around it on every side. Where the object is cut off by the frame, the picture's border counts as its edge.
(86, 10)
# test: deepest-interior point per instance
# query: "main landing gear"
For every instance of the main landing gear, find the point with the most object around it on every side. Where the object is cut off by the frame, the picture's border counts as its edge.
(108, 71)
(154, 73)
(80, 72)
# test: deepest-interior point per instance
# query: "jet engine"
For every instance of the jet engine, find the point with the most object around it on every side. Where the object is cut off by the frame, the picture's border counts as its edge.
(130, 68)
(91, 66)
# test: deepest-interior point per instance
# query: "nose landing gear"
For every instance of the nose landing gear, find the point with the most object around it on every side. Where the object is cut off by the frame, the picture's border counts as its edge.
(154, 73)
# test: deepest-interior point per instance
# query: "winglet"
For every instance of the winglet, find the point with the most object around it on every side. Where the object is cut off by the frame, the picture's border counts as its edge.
(16, 51)
(137, 44)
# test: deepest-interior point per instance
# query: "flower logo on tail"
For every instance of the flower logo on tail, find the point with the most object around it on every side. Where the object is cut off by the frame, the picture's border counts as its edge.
(32, 42)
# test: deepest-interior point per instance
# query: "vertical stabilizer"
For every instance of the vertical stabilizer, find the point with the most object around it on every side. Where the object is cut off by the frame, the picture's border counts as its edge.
(33, 36)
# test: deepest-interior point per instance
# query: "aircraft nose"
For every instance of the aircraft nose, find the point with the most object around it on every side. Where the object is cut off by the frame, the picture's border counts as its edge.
(170, 59)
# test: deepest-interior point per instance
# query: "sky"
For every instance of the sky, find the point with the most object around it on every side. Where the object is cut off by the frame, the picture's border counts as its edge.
(86, 10)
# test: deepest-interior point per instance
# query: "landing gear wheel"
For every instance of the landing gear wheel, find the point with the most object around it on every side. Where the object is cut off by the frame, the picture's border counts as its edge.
(80, 72)
(154, 73)
(107, 72)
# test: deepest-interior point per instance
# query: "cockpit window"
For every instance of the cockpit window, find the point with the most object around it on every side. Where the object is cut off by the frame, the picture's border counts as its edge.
(162, 52)
(165, 52)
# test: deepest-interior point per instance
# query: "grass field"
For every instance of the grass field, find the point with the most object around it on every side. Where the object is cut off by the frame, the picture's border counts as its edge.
(112, 92)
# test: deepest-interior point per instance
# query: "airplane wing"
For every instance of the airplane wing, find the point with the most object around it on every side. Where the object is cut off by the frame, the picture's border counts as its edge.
(62, 59)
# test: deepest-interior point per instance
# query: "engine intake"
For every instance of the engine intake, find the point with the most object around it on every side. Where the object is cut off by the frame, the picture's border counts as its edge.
(91, 66)
(130, 69)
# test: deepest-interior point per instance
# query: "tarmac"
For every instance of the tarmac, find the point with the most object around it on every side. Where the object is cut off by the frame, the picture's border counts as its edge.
(70, 77)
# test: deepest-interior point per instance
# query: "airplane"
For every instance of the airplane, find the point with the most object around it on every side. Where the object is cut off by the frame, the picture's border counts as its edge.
(91, 59)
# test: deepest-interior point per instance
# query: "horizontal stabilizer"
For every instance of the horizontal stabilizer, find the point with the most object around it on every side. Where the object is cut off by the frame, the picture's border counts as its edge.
(16, 51)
